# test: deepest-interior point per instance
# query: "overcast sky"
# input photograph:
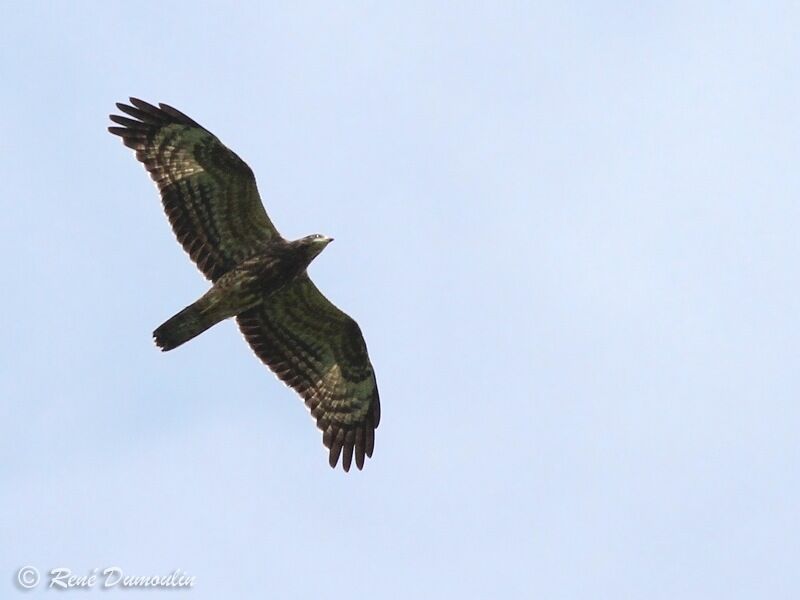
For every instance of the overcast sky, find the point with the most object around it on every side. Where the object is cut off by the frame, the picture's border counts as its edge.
(569, 232)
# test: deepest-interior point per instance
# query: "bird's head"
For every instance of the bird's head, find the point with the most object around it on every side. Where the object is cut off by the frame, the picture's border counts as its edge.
(314, 244)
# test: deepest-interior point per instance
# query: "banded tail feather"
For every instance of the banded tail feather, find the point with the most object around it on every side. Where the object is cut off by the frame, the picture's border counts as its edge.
(187, 324)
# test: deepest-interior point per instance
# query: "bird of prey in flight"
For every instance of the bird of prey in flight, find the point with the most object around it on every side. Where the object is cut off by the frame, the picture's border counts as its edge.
(258, 277)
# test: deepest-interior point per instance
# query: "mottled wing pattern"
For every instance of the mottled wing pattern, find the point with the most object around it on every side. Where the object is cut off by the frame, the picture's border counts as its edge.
(208, 192)
(319, 351)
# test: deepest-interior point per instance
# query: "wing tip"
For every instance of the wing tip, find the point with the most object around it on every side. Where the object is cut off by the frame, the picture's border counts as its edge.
(349, 444)
(152, 115)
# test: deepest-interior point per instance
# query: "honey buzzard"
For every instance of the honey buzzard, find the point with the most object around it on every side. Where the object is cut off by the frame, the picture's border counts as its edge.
(211, 200)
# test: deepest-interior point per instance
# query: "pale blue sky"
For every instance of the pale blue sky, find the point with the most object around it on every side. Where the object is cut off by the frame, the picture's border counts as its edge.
(569, 232)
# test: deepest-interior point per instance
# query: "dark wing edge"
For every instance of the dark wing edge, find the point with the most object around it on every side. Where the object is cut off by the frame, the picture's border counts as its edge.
(319, 351)
(209, 194)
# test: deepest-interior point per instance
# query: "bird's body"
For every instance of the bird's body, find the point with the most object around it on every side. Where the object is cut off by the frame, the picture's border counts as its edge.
(211, 200)
(248, 285)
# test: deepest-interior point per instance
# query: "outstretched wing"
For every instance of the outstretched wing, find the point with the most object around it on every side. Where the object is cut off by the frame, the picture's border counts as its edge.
(319, 351)
(208, 192)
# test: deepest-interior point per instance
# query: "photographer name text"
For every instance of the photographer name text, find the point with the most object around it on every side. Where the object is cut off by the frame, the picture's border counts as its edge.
(115, 577)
